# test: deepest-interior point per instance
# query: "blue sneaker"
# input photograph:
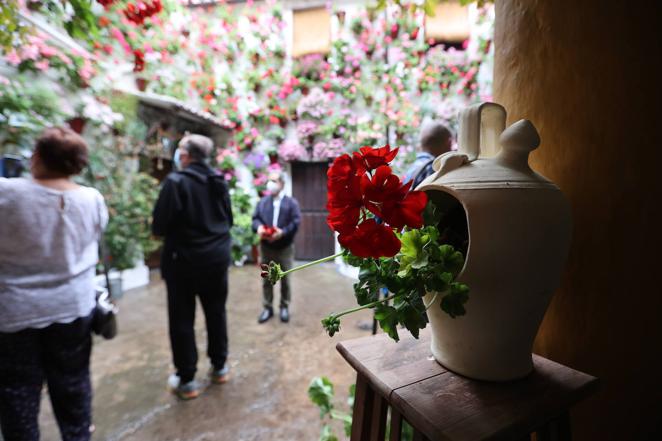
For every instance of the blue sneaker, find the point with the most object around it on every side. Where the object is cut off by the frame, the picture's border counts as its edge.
(187, 391)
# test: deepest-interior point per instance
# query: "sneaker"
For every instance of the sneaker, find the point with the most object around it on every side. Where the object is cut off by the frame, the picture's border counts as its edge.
(220, 376)
(187, 391)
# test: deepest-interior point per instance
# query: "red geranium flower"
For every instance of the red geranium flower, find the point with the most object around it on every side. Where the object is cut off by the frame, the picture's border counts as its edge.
(364, 182)
(371, 158)
(407, 211)
(371, 239)
(345, 202)
(382, 186)
(138, 60)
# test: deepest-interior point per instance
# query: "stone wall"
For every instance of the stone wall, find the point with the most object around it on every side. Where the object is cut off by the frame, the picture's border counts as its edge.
(588, 75)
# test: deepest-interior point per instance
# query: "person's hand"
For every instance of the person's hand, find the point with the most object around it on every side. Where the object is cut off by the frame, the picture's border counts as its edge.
(260, 231)
(277, 234)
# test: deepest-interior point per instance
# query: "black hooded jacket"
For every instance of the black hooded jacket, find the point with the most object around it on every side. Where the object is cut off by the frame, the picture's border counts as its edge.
(194, 215)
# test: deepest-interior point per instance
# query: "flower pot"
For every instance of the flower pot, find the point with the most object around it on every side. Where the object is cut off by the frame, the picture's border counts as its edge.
(518, 226)
(77, 124)
(141, 83)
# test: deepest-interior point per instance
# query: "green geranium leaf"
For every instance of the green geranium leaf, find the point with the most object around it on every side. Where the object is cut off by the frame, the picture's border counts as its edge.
(413, 255)
(412, 317)
(453, 302)
(387, 316)
(320, 392)
(453, 260)
(440, 281)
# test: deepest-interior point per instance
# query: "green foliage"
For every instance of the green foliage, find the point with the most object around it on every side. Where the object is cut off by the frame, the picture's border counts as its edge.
(82, 23)
(12, 29)
(25, 112)
(127, 106)
(423, 265)
(243, 237)
(321, 393)
(128, 235)
(130, 196)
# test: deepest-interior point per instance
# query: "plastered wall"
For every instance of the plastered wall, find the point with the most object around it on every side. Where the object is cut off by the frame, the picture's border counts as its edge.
(587, 73)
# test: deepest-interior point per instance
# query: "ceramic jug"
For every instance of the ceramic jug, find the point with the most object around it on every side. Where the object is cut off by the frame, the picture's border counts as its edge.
(519, 228)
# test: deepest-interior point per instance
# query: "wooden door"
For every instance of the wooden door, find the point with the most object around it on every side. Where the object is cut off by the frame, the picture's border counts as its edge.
(314, 239)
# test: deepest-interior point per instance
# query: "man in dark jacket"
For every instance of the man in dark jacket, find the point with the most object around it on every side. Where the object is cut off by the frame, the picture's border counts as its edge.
(193, 213)
(276, 221)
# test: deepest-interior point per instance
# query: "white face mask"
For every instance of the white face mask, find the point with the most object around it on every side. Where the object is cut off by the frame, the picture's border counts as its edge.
(176, 160)
(273, 187)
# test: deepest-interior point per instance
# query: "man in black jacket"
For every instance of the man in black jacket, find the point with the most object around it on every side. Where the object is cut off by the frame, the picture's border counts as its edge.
(193, 213)
(276, 221)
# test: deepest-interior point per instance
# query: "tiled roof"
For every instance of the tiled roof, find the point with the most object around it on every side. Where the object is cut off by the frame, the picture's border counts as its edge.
(176, 106)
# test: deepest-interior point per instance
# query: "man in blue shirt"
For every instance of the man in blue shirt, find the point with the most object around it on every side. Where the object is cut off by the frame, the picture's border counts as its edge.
(436, 139)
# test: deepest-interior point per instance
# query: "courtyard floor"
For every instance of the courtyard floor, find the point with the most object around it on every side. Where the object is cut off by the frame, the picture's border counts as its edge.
(271, 366)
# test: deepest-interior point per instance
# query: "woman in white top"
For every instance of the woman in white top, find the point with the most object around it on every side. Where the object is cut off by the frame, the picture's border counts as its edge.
(49, 231)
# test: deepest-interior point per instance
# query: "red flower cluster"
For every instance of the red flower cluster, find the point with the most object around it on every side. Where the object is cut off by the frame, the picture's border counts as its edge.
(105, 3)
(364, 183)
(269, 231)
(138, 60)
(137, 13)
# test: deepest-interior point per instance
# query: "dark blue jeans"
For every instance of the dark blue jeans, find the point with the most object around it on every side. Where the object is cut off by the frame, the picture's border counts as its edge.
(58, 355)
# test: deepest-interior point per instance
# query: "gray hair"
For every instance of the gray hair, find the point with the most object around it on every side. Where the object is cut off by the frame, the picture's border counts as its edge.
(199, 147)
(435, 138)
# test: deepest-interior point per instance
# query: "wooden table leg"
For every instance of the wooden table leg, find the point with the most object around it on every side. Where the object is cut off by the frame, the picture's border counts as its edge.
(363, 407)
(378, 420)
(396, 425)
(557, 429)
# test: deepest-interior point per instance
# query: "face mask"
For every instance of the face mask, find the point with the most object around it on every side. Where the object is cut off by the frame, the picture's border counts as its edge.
(176, 160)
(273, 187)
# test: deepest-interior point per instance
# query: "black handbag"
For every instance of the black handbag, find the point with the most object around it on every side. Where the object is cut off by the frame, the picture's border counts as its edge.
(104, 320)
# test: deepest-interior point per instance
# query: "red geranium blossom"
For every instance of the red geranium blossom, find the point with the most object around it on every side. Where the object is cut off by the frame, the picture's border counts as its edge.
(365, 183)
(407, 211)
(371, 239)
(370, 158)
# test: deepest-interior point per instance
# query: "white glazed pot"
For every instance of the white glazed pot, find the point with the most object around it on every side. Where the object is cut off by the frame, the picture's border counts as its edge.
(519, 229)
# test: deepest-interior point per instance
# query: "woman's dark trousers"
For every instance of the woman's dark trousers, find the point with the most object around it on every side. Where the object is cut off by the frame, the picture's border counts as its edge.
(58, 355)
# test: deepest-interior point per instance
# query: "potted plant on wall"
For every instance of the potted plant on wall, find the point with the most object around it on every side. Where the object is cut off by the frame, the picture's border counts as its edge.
(129, 195)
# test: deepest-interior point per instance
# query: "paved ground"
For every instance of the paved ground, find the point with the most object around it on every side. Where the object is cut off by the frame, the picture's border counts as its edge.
(272, 365)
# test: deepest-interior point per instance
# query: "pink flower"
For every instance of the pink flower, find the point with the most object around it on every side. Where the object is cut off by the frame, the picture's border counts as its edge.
(4, 80)
(30, 52)
(121, 40)
(42, 65)
(13, 58)
(47, 51)
(65, 59)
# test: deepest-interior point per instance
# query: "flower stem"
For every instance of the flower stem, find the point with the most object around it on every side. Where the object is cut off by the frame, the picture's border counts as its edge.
(369, 305)
(315, 262)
